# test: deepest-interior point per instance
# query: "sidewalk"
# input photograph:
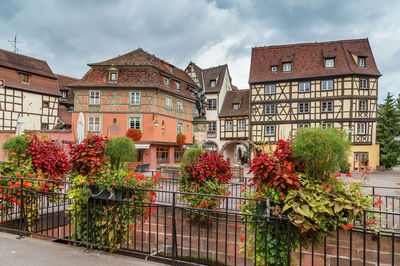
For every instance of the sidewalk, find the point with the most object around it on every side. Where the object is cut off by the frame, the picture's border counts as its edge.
(35, 252)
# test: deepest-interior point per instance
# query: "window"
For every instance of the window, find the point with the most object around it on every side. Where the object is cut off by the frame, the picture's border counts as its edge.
(171, 69)
(364, 84)
(212, 104)
(327, 85)
(362, 105)
(212, 126)
(94, 124)
(187, 127)
(177, 85)
(274, 68)
(304, 125)
(327, 107)
(304, 86)
(270, 89)
(228, 125)
(235, 106)
(213, 83)
(168, 103)
(329, 62)
(162, 154)
(134, 122)
(269, 130)
(25, 78)
(113, 76)
(361, 128)
(94, 97)
(326, 125)
(304, 108)
(45, 126)
(64, 94)
(135, 98)
(179, 127)
(287, 67)
(178, 154)
(270, 109)
(45, 104)
(179, 106)
(241, 125)
(166, 81)
(361, 61)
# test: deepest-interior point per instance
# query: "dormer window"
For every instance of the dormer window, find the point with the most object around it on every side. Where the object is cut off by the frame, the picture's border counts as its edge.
(112, 74)
(329, 62)
(274, 68)
(177, 85)
(25, 78)
(235, 106)
(287, 67)
(171, 69)
(361, 61)
(212, 83)
(166, 81)
(64, 94)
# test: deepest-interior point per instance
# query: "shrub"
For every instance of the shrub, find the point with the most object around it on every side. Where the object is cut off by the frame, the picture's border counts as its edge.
(210, 166)
(17, 144)
(88, 157)
(323, 151)
(120, 150)
(190, 155)
(134, 134)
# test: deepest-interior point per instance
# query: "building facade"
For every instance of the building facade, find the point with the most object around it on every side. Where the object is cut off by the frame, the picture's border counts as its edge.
(66, 102)
(138, 90)
(215, 82)
(329, 84)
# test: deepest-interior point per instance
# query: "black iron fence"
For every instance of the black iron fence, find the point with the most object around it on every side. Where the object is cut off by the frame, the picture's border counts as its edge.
(171, 232)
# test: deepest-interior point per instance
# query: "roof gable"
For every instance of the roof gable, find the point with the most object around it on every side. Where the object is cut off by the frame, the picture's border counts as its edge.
(240, 97)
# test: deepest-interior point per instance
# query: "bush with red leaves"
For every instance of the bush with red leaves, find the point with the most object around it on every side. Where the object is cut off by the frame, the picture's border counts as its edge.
(277, 171)
(88, 157)
(47, 157)
(209, 166)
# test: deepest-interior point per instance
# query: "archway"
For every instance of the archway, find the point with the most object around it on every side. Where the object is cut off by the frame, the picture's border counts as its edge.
(210, 147)
(236, 152)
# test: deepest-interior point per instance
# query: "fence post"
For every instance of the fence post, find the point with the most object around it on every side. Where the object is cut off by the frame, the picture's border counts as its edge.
(87, 223)
(174, 239)
(21, 208)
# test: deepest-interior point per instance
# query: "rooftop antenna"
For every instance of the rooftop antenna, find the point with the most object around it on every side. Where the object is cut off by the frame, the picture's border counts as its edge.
(14, 43)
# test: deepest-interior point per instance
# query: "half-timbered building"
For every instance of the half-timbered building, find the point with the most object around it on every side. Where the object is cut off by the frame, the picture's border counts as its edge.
(66, 102)
(215, 82)
(328, 84)
(138, 90)
(234, 125)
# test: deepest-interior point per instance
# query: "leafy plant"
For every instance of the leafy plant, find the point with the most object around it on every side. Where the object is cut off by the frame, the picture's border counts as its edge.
(134, 134)
(181, 139)
(120, 150)
(190, 155)
(17, 145)
(88, 157)
(323, 151)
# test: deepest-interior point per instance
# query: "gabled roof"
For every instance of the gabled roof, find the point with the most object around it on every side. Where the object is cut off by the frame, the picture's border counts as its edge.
(63, 82)
(241, 97)
(25, 64)
(207, 75)
(308, 60)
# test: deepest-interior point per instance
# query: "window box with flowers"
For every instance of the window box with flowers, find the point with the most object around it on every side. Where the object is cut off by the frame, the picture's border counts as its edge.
(134, 134)
(181, 139)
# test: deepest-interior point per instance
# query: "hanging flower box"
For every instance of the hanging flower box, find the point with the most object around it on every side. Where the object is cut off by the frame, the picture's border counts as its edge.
(134, 134)
(181, 139)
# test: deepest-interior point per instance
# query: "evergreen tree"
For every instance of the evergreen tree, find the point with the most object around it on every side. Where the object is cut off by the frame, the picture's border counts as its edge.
(387, 129)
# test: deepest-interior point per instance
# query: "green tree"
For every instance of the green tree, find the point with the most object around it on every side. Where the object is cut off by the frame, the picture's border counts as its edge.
(388, 129)
(120, 150)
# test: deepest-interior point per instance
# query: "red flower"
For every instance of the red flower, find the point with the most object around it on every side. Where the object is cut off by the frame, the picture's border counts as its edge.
(242, 238)
(282, 196)
(343, 226)
(348, 175)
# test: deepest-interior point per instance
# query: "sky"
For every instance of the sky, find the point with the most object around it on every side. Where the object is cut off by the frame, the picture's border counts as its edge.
(71, 34)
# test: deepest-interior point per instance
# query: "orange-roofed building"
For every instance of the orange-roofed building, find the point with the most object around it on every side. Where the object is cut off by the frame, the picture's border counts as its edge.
(138, 90)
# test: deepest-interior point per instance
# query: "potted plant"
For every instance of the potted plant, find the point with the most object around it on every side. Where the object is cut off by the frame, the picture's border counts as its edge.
(134, 134)
(181, 139)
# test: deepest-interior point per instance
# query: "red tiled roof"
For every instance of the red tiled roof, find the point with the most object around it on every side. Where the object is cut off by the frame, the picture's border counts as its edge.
(241, 97)
(132, 75)
(308, 60)
(64, 114)
(216, 73)
(63, 82)
(25, 63)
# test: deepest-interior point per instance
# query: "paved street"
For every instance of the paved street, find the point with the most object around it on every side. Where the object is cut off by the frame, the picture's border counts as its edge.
(34, 252)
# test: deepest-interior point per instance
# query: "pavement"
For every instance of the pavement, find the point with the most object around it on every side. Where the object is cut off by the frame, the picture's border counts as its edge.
(34, 252)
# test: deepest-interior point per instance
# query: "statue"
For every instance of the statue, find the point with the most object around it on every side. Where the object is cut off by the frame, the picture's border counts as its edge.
(201, 102)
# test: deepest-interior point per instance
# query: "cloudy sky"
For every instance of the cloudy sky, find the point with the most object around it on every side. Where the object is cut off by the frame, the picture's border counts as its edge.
(70, 34)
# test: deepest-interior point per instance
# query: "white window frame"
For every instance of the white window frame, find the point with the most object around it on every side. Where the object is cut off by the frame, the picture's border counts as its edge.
(361, 128)
(179, 127)
(304, 125)
(166, 81)
(287, 67)
(213, 83)
(304, 86)
(135, 98)
(269, 131)
(212, 126)
(92, 97)
(241, 125)
(325, 85)
(111, 75)
(274, 69)
(136, 121)
(269, 109)
(168, 103)
(228, 125)
(64, 94)
(363, 84)
(327, 107)
(179, 106)
(302, 107)
(213, 106)
(92, 125)
(363, 105)
(361, 61)
(326, 125)
(177, 85)
(269, 88)
(235, 105)
(329, 62)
